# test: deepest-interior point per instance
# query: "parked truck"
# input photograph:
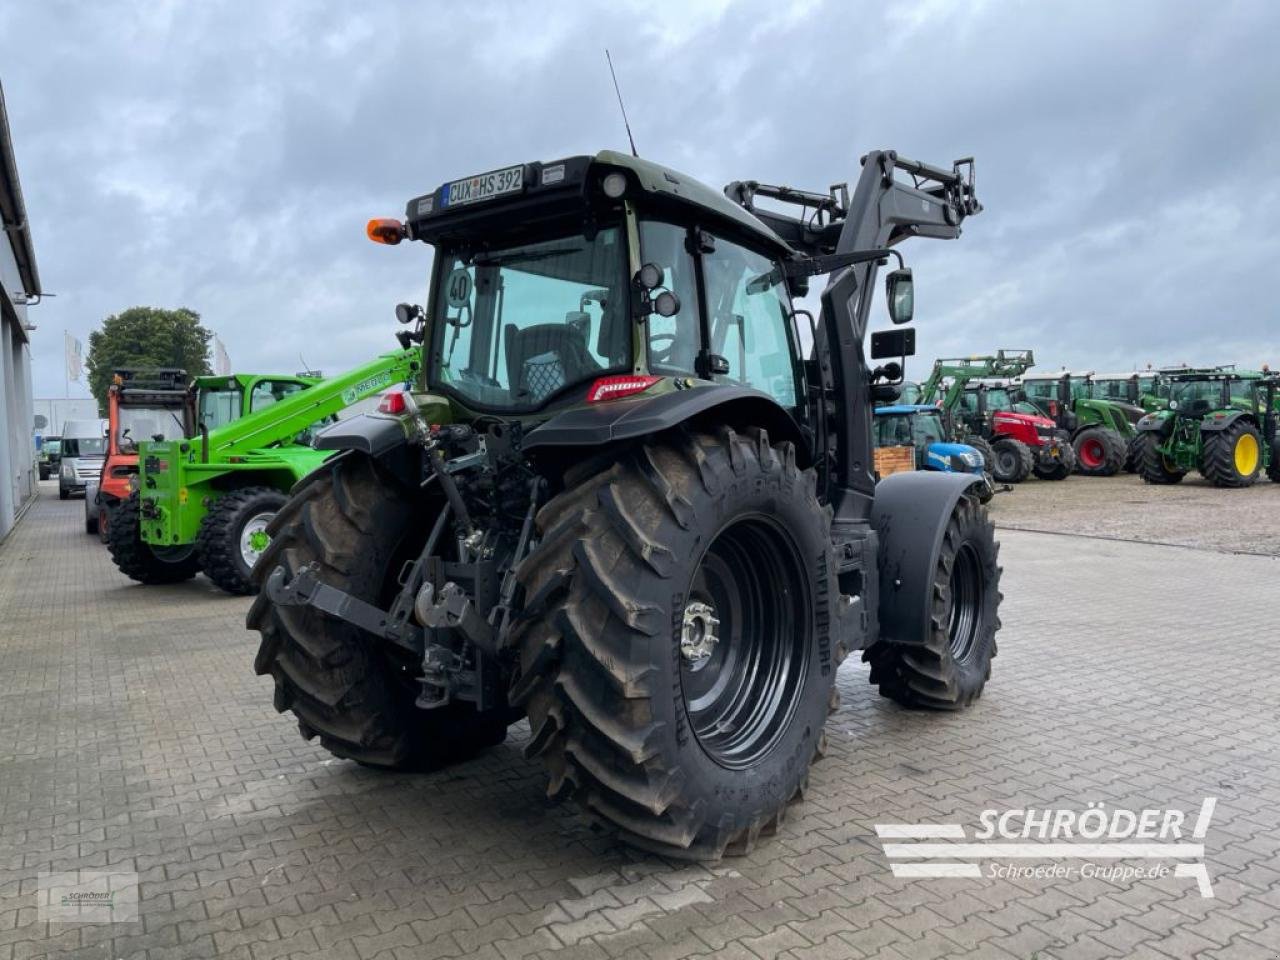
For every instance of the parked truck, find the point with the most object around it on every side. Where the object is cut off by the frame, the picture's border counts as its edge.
(621, 502)
(203, 503)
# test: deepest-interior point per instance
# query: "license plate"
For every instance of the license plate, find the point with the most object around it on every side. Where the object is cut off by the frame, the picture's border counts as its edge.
(484, 186)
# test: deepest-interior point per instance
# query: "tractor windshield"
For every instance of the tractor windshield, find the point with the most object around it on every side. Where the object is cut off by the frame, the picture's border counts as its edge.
(1196, 397)
(138, 423)
(515, 326)
(903, 429)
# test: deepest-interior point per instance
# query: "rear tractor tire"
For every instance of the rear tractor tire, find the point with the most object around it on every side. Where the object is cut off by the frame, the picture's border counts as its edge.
(1059, 469)
(1153, 465)
(355, 694)
(1131, 455)
(676, 650)
(233, 535)
(950, 669)
(1232, 457)
(1011, 460)
(1100, 452)
(139, 560)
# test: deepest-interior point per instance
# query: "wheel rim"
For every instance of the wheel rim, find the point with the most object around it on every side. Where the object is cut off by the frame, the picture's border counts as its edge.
(1007, 461)
(1091, 453)
(173, 554)
(1246, 455)
(967, 591)
(254, 538)
(742, 641)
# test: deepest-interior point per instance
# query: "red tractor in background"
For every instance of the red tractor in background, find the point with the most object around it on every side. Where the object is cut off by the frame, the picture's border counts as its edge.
(1014, 437)
(152, 404)
(1023, 443)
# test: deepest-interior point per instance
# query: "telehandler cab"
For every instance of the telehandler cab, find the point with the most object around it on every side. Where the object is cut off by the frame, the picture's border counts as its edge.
(621, 502)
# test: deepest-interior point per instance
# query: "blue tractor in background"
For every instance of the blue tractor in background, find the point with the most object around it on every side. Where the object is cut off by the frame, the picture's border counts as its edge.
(924, 428)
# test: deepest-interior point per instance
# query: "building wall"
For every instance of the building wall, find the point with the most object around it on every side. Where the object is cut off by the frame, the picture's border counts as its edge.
(17, 417)
(58, 410)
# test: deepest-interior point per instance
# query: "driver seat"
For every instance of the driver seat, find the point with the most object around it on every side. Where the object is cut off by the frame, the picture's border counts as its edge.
(544, 358)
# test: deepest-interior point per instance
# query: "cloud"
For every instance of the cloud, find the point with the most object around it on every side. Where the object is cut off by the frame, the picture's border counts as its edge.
(224, 156)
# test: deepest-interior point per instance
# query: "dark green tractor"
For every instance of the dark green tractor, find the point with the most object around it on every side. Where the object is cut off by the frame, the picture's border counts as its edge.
(620, 502)
(1222, 423)
(1100, 429)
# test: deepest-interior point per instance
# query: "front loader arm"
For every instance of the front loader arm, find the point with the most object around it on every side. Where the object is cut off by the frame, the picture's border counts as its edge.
(884, 211)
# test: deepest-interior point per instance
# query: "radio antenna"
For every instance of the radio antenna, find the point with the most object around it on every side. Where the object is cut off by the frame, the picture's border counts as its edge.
(621, 107)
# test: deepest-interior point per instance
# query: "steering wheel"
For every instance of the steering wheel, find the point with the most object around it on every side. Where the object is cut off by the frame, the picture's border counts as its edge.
(662, 355)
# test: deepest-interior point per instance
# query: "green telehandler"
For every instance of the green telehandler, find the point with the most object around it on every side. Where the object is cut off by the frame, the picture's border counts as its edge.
(1100, 429)
(1222, 423)
(203, 503)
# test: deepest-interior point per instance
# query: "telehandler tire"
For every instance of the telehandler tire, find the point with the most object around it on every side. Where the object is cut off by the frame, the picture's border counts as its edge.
(233, 534)
(1100, 452)
(139, 560)
(1232, 457)
(1012, 461)
(1059, 469)
(676, 647)
(950, 669)
(1153, 465)
(356, 694)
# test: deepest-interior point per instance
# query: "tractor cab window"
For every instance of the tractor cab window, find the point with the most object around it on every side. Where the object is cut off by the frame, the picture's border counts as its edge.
(1197, 396)
(219, 407)
(136, 424)
(1041, 389)
(265, 393)
(749, 316)
(673, 341)
(514, 326)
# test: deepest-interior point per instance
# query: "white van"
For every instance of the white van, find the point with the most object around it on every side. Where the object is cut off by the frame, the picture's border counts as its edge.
(84, 447)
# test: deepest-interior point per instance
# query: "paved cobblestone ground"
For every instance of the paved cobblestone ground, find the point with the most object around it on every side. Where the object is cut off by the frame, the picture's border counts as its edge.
(135, 737)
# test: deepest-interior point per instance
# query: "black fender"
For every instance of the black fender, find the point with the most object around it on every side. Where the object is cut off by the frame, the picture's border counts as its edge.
(1155, 424)
(367, 433)
(910, 513)
(598, 424)
(1216, 424)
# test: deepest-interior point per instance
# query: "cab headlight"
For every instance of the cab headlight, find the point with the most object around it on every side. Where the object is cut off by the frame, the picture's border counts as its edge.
(68, 472)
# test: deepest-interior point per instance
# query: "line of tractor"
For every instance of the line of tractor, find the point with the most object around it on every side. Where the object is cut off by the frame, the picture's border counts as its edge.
(992, 414)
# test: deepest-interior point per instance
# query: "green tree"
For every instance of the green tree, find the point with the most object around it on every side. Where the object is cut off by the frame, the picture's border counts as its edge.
(146, 337)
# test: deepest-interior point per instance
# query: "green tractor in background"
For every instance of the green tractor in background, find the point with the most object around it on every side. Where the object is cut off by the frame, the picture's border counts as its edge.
(1146, 389)
(203, 503)
(1222, 423)
(1100, 429)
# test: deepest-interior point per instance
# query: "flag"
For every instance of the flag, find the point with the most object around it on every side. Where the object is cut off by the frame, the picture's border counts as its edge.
(221, 362)
(73, 356)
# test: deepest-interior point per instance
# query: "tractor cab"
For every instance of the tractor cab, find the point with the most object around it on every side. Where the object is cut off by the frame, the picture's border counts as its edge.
(589, 280)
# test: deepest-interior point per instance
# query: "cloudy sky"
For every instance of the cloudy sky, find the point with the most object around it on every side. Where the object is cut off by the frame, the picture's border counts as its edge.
(225, 156)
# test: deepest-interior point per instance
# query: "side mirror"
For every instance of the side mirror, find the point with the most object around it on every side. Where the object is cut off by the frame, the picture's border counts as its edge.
(893, 343)
(899, 291)
(408, 312)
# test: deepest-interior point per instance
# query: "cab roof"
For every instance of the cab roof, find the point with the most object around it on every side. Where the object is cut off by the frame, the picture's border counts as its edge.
(562, 187)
